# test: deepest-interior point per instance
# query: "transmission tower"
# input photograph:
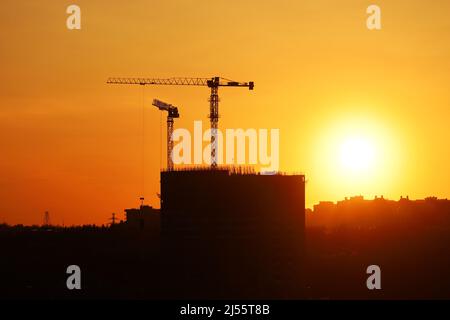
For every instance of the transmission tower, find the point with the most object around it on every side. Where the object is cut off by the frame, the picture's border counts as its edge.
(46, 219)
(113, 219)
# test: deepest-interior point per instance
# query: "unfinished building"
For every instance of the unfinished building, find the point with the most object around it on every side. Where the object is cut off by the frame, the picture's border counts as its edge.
(228, 231)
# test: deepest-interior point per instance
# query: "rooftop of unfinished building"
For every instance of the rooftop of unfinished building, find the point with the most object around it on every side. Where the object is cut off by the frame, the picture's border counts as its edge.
(232, 170)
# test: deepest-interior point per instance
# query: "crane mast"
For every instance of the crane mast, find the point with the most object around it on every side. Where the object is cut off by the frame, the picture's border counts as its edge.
(213, 83)
(172, 112)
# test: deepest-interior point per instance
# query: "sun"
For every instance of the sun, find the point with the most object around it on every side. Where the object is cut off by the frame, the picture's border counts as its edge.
(357, 154)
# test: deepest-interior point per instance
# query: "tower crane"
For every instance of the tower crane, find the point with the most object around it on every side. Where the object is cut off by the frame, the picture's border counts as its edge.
(172, 112)
(213, 83)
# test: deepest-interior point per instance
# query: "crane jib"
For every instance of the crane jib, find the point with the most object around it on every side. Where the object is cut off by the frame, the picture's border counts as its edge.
(210, 82)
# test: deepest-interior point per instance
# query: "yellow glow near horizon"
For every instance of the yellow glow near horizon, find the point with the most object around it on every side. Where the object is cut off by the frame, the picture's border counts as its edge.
(358, 153)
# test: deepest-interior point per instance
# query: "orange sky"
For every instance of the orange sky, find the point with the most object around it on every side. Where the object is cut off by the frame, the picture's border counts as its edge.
(72, 145)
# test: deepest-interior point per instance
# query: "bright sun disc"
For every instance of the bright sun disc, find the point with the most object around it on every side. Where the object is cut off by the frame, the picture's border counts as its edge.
(357, 154)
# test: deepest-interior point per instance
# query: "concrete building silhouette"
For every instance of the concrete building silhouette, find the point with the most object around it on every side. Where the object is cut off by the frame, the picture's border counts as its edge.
(145, 218)
(241, 229)
(359, 212)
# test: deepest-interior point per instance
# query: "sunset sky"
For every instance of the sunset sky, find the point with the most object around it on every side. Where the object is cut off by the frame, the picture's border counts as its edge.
(72, 145)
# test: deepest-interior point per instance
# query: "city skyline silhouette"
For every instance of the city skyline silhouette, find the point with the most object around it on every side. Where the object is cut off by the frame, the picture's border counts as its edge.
(272, 149)
(73, 145)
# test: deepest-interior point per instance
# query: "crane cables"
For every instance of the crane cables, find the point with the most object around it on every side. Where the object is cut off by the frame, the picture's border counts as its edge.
(143, 145)
(160, 140)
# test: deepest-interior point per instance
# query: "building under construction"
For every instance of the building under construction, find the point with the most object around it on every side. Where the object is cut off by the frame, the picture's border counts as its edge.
(225, 232)
(228, 231)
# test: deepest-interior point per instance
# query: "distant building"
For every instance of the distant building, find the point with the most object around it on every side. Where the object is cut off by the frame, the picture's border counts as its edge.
(324, 207)
(145, 218)
(359, 212)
